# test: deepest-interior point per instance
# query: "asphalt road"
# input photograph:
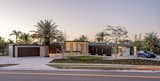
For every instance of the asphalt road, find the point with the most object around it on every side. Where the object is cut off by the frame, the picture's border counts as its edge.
(77, 76)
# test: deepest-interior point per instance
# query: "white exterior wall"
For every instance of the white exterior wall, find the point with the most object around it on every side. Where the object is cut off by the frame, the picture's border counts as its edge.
(10, 51)
(126, 51)
(44, 51)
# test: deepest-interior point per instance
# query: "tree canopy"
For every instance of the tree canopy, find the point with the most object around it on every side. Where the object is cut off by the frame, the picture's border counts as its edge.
(47, 32)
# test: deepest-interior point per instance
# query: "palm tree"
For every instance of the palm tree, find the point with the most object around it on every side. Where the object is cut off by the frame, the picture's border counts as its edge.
(98, 39)
(25, 38)
(83, 38)
(16, 33)
(46, 31)
(101, 36)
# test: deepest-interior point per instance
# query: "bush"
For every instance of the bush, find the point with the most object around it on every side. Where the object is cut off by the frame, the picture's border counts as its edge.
(85, 58)
(99, 60)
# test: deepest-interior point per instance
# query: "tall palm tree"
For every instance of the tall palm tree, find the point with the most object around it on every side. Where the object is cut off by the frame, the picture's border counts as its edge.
(101, 36)
(46, 31)
(83, 38)
(25, 38)
(16, 33)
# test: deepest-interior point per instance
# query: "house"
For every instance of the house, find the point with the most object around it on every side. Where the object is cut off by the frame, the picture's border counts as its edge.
(24, 50)
(69, 48)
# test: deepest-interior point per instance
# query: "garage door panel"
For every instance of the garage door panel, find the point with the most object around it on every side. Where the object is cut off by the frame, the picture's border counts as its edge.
(28, 51)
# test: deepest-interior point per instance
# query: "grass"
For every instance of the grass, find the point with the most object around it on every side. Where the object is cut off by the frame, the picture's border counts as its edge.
(4, 65)
(99, 60)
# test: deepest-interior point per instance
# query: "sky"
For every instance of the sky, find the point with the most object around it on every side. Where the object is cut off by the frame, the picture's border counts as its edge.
(77, 17)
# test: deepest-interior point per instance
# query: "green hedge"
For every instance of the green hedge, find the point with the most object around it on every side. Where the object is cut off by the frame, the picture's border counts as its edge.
(92, 59)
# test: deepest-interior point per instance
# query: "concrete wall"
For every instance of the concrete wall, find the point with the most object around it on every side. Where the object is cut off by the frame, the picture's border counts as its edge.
(124, 51)
(10, 51)
(44, 51)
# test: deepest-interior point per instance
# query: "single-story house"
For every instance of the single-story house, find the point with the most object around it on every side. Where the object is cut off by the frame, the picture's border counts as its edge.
(69, 48)
(23, 50)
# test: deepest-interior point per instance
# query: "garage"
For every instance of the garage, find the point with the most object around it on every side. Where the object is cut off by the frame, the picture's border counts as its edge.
(28, 51)
(23, 50)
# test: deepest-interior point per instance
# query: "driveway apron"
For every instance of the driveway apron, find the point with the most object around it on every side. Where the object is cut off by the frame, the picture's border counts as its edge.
(26, 63)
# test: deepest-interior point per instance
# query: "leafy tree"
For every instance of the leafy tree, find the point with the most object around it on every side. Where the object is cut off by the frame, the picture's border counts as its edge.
(82, 38)
(24, 38)
(60, 36)
(139, 45)
(126, 41)
(3, 46)
(151, 41)
(116, 33)
(46, 31)
(16, 33)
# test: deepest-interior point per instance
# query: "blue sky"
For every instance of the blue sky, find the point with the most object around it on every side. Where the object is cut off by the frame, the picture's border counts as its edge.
(76, 17)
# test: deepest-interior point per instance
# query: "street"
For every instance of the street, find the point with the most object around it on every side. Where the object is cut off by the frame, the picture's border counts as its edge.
(77, 76)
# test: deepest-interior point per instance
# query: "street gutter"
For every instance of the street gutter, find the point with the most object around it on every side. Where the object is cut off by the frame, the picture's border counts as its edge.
(103, 66)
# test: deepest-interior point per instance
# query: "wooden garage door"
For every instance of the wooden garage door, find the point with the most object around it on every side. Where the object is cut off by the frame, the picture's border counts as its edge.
(28, 51)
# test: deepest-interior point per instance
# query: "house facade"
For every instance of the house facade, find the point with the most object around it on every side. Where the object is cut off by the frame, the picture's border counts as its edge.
(68, 48)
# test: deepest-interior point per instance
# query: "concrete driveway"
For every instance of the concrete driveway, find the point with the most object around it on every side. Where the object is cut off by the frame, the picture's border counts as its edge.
(26, 63)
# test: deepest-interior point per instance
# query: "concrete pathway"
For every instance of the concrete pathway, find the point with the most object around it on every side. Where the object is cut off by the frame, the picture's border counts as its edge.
(26, 63)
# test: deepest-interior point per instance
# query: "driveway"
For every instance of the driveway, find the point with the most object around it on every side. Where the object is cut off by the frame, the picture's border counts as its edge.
(26, 63)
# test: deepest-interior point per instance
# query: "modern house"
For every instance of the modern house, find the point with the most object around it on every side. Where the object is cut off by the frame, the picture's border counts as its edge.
(69, 48)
